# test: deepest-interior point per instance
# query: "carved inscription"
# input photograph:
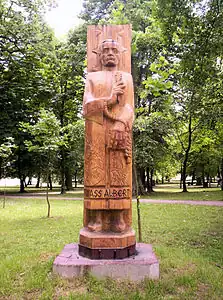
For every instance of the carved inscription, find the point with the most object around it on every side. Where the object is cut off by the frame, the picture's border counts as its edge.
(119, 193)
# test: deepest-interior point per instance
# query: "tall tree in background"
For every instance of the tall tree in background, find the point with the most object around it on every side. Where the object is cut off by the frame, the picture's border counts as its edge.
(26, 44)
(193, 32)
(37, 72)
(67, 71)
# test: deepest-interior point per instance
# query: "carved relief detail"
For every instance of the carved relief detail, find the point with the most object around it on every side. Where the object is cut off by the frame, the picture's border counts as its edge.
(94, 170)
(119, 171)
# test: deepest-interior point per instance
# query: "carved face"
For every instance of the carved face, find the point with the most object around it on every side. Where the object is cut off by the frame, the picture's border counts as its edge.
(110, 54)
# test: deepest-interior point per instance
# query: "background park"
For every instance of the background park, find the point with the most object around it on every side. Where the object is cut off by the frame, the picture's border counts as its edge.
(178, 146)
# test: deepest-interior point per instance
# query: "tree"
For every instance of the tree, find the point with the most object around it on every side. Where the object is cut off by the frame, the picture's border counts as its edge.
(26, 44)
(68, 69)
(194, 37)
(74, 141)
(46, 140)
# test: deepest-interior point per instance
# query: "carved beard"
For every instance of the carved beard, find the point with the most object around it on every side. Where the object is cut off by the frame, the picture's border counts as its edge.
(110, 61)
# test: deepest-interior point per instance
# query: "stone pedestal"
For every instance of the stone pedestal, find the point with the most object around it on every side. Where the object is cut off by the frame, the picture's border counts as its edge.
(107, 245)
(144, 264)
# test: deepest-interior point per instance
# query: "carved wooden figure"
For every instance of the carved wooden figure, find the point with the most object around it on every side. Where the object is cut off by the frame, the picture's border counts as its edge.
(108, 109)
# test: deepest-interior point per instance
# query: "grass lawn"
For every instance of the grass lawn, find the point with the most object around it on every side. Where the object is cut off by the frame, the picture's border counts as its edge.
(187, 239)
(162, 191)
(172, 192)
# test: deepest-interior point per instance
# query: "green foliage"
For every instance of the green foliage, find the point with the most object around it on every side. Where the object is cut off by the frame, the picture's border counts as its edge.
(177, 72)
(26, 46)
(149, 134)
(160, 80)
(36, 72)
(6, 148)
(45, 133)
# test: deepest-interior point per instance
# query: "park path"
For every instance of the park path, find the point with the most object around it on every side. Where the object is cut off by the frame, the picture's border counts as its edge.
(188, 202)
(142, 200)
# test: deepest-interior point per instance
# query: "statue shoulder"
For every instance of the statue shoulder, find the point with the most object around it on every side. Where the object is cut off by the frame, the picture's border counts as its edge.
(127, 75)
(128, 78)
(92, 75)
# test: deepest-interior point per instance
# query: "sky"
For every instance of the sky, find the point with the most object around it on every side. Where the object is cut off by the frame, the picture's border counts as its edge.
(64, 16)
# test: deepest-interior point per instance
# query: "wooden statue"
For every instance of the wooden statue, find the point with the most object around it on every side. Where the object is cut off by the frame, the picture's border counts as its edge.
(108, 109)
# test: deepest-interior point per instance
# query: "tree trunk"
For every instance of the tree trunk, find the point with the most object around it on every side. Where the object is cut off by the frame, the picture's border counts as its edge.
(38, 180)
(181, 176)
(75, 179)
(47, 194)
(208, 180)
(184, 171)
(199, 181)
(62, 190)
(21, 176)
(22, 186)
(140, 187)
(152, 183)
(68, 180)
(50, 182)
(203, 177)
(25, 184)
(184, 175)
(148, 181)
(142, 177)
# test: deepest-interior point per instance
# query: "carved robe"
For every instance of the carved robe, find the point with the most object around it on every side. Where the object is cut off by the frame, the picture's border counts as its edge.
(107, 172)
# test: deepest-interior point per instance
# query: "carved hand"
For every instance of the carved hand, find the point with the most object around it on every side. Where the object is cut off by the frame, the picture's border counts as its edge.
(117, 90)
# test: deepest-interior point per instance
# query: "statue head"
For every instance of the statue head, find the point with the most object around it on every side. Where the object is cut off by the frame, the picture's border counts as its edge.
(109, 53)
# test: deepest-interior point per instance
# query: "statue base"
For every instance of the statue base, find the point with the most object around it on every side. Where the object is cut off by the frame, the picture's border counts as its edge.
(107, 253)
(69, 264)
(107, 245)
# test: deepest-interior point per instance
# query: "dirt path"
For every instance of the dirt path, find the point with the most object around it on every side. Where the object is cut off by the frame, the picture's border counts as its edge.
(151, 201)
(188, 202)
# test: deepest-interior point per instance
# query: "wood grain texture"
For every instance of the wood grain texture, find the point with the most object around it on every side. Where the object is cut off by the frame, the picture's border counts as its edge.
(98, 33)
(108, 108)
(106, 240)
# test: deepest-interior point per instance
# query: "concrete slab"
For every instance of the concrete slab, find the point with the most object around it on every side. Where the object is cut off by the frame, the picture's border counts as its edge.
(70, 264)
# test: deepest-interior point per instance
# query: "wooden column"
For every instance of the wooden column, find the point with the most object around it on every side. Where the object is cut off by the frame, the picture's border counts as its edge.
(108, 108)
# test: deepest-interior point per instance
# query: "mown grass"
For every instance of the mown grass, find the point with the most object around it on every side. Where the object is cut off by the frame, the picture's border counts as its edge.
(172, 192)
(164, 192)
(187, 239)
